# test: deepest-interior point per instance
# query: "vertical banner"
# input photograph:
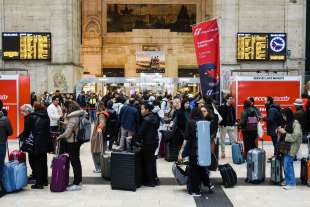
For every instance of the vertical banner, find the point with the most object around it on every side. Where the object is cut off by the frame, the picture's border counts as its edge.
(206, 40)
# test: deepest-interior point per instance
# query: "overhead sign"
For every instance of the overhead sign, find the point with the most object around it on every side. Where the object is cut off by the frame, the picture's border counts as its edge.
(261, 46)
(26, 46)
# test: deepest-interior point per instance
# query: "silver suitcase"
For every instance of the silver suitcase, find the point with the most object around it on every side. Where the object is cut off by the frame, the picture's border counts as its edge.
(256, 165)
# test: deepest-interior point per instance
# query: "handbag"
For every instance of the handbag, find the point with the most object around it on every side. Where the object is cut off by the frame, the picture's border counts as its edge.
(284, 147)
(28, 144)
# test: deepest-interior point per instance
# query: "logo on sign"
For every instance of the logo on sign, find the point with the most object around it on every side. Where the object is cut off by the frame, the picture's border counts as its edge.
(197, 31)
(277, 44)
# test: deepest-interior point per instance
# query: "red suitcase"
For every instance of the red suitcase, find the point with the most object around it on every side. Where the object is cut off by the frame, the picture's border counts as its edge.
(17, 155)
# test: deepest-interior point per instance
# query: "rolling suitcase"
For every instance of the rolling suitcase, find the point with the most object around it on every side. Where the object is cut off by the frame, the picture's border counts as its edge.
(105, 162)
(204, 144)
(14, 176)
(60, 172)
(237, 156)
(276, 170)
(126, 170)
(17, 155)
(256, 164)
(304, 171)
(229, 176)
(171, 152)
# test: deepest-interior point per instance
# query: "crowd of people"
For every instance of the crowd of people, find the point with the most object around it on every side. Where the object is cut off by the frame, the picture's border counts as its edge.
(121, 121)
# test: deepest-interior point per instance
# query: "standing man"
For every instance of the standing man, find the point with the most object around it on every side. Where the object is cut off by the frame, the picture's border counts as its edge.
(5, 131)
(227, 126)
(81, 100)
(273, 120)
(129, 120)
(54, 113)
(92, 102)
(299, 115)
(58, 95)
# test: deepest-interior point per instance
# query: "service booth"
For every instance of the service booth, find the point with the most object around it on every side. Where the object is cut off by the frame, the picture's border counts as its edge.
(14, 92)
(284, 90)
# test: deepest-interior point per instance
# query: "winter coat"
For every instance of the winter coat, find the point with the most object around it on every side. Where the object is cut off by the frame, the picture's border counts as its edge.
(294, 138)
(228, 114)
(81, 100)
(54, 114)
(40, 130)
(244, 117)
(71, 123)
(97, 143)
(274, 119)
(129, 118)
(5, 128)
(27, 128)
(148, 129)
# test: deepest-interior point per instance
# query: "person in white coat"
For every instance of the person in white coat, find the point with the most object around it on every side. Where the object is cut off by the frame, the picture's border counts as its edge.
(54, 113)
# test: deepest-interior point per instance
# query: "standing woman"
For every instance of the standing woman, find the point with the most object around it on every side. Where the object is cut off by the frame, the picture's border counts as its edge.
(291, 134)
(98, 145)
(27, 110)
(42, 144)
(72, 146)
(197, 174)
(249, 133)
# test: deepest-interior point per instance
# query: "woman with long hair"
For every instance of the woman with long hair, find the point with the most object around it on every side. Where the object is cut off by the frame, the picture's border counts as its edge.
(98, 145)
(72, 146)
(291, 135)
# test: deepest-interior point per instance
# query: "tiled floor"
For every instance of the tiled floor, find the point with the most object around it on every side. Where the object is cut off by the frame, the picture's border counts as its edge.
(162, 196)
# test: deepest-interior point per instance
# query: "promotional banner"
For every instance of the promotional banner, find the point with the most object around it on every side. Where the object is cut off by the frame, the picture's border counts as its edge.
(206, 40)
(14, 92)
(150, 61)
(283, 89)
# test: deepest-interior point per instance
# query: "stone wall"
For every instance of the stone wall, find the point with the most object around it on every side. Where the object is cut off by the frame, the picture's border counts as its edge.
(101, 49)
(62, 19)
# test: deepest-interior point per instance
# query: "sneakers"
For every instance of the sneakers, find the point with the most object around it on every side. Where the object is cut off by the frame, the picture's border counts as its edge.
(283, 183)
(74, 188)
(211, 188)
(97, 171)
(289, 187)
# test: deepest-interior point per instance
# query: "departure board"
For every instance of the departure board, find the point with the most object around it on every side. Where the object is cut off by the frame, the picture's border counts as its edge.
(26, 46)
(261, 46)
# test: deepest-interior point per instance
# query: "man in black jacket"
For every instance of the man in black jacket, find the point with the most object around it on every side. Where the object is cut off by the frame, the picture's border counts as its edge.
(149, 136)
(227, 126)
(5, 131)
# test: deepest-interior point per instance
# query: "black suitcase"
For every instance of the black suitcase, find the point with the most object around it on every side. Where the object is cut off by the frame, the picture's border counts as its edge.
(171, 152)
(126, 170)
(228, 174)
(303, 171)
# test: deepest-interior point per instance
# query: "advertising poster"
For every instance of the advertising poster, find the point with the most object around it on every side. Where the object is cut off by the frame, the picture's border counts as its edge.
(206, 40)
(150, 62)
(284, 90)
(14, 92)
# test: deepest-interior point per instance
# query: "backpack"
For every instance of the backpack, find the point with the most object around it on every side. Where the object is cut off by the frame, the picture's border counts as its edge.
(252, 121)
(84, 131)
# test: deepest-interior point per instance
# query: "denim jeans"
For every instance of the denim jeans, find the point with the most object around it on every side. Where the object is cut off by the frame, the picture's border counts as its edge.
(92, 115)
(2, 158)
(289, 170)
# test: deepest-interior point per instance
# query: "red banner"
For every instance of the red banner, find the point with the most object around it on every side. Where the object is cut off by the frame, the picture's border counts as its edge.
(206, 40)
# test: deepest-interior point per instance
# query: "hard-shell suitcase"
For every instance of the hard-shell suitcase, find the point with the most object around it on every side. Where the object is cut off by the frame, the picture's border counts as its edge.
(229, 176)
(180, 175)
(126, 170)
(236, 150)
(17, 155)
(276, 170)
(14, 176)
(60, 171)
(204, 144)
(105, 162)
(256, 164)
(305, 171)
(171, 152)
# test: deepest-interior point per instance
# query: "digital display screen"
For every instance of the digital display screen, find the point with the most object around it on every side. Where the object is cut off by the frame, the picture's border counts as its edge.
(261, 46)
(26, 46)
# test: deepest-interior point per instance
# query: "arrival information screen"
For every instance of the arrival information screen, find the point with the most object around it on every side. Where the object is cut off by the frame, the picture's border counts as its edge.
(261, 46)
(26, 46)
